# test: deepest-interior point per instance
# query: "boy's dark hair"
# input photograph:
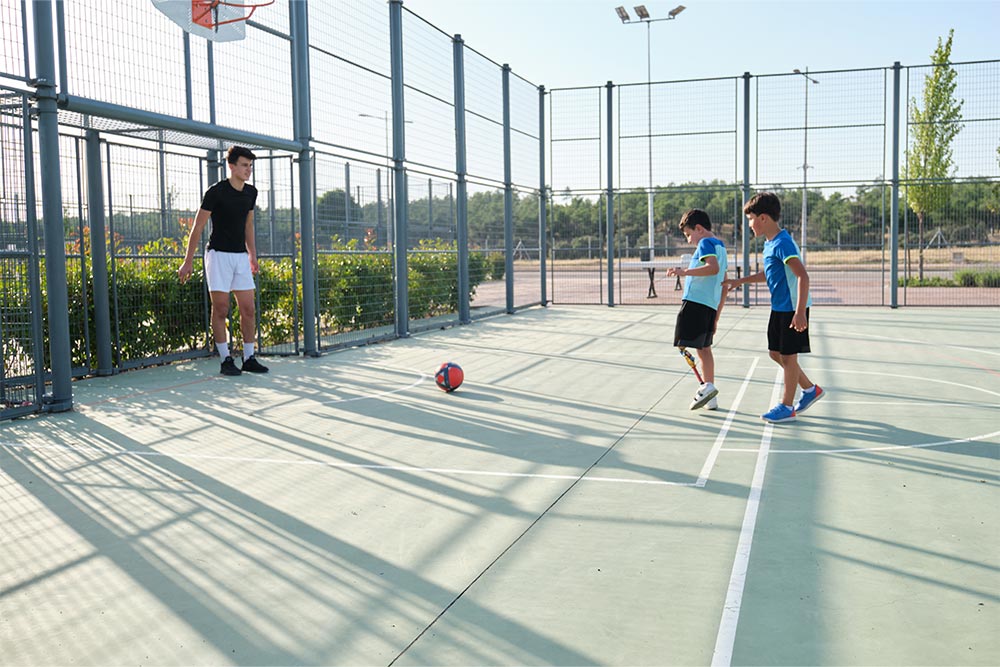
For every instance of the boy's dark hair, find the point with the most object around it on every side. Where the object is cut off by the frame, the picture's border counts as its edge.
(695, 217)
(236, 152)
(764, 203)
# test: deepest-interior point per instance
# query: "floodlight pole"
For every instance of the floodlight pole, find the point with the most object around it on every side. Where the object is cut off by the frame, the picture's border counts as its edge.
(644, 18)
(805, 155)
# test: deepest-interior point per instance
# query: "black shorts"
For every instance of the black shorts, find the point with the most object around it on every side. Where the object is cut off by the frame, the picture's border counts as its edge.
(782, 338)
(695, 325)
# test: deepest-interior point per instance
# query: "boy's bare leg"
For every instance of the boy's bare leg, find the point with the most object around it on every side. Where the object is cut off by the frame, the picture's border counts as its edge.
(794, 377)
(707, 364)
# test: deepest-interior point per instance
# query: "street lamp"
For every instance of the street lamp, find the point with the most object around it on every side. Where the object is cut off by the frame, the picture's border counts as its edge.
(805, 153)
(644, 17)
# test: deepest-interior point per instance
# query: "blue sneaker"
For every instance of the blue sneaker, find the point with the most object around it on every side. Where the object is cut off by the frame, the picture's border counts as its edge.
(808, 398)
(779, 413)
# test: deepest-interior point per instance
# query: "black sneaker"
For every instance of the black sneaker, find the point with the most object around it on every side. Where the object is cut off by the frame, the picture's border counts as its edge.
(229, 367)
(251, 365)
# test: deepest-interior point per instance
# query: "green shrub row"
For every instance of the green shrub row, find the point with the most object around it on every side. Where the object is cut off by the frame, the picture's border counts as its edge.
(157, 315)
(965, 278)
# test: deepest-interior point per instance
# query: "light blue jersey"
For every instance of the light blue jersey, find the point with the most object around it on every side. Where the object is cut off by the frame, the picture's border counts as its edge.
(784, 284)
(706, 290)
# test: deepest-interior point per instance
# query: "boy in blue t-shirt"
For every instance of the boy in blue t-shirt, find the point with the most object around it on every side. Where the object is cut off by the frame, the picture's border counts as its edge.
(788, 282)
(702, 300)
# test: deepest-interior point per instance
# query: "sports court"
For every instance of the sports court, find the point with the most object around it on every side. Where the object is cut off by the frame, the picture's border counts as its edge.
(562, 507)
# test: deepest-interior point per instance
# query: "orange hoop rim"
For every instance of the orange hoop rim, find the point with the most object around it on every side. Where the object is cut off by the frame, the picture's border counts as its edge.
(209, 5)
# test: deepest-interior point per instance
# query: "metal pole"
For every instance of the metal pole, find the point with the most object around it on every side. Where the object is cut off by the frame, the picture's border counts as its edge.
(610, 194)
(399, 174)
(508, 193)
(98, 253)
(61, 398)
(649, 140)
(462, 203)
(299, 24)
(894, 220)
(744, 225)
(542, 208)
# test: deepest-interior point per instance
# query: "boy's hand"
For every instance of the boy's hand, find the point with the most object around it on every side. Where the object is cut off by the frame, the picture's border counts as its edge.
(799, 322)
(675, 271)
(185, 271)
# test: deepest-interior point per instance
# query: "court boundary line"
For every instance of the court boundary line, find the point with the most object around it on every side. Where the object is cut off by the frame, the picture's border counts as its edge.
(713, 454)
(725, 639)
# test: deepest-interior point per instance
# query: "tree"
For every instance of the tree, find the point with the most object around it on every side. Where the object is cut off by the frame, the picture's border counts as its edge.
(929, 161)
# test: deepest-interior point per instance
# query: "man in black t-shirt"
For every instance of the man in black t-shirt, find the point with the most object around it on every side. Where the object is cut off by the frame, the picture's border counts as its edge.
(231, 257)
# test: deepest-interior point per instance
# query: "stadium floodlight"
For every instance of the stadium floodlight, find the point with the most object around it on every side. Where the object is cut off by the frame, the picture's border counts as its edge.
(623, 14)
(641, 11)
(675, 11)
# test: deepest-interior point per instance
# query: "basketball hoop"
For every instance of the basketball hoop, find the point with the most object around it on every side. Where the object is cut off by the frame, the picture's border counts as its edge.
(217, 20)
(206, 13)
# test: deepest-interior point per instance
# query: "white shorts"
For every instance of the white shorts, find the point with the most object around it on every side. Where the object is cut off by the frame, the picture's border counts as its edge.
(228, 271)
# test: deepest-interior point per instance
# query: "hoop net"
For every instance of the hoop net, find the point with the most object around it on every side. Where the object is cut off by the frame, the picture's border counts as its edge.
(217, 20)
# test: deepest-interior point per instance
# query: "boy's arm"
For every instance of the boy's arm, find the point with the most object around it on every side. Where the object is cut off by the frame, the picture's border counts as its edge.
(758, 277)
(709, 268)
(799, 322)
(200, 220)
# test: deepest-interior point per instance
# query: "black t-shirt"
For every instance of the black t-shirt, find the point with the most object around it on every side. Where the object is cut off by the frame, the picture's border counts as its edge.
(229, 209)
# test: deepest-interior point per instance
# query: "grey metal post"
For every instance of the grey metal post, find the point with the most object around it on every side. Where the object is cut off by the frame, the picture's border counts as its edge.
(744, 225)
(508, 195)
(98, 253)
(401, 245)
(542, 208)
(462, 204)
(894, 220)
(188, 86)
(430, 207)
(163, 184)
(61, 44)
(270, 201)
(299, 24)
(378, 197)
(34, 279)
(347, 201)
(610, 194)
(61, 398)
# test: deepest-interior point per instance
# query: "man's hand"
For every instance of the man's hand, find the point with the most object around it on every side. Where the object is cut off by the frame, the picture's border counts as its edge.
(185, 271)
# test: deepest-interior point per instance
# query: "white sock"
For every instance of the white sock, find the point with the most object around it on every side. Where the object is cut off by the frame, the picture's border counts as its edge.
(247, 351)
(223, 349)
(809, 390)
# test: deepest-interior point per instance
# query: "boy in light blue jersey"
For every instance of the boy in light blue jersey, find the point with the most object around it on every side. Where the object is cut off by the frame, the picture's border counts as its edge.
(702, 300)
(788, 282)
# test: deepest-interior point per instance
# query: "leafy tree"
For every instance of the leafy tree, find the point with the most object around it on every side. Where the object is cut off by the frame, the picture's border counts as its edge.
(929, 159)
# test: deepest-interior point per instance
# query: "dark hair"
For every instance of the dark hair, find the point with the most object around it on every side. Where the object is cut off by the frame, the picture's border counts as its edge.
(764, 203)
(695, 217)
(236, 152)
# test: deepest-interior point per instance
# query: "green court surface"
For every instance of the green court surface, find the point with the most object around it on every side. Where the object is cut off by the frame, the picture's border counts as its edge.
(563, 507)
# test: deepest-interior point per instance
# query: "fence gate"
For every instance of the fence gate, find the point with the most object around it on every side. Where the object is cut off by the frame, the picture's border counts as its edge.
(22, 363)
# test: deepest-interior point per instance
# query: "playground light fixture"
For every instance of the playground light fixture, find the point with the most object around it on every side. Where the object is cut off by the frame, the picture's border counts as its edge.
(623, 14)
(641, 11)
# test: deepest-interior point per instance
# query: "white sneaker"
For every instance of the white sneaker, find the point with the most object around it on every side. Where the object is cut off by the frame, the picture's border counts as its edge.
(705, 394)
(712, 404)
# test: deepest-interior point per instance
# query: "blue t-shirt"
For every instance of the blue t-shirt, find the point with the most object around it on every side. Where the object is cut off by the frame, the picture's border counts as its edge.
(782, 283)
(706, 290)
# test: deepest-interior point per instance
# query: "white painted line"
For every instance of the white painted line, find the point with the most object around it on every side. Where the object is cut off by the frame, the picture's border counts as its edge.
(714, 454)
(726, 638)
(457, 472)
(941, 443)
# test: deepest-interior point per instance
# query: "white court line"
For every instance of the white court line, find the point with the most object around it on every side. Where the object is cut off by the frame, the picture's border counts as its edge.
(722, 656)
(714, 454)
(941, 443)
(332, 464)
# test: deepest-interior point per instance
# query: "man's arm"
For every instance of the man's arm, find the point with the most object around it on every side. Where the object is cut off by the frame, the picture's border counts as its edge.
(200, 220)
(251, 243)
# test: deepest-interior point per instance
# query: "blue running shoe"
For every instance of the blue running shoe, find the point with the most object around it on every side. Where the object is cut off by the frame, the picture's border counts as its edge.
(808, 398)
(779, 413)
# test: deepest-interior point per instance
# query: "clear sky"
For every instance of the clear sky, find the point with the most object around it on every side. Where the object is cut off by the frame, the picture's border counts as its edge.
(561, 43)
